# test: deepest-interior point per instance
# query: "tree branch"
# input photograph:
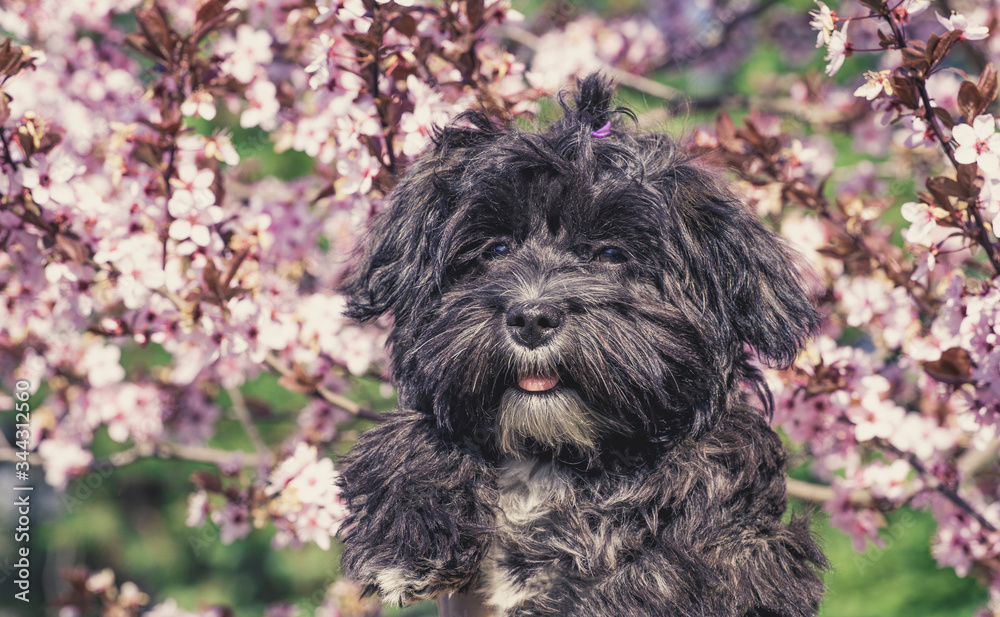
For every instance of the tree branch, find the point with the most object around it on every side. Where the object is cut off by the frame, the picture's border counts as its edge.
(320, 391)
(197, 454)
(242, 414)
(821, 493)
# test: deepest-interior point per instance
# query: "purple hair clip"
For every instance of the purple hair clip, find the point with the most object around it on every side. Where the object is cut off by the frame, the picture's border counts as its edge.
(604, 131)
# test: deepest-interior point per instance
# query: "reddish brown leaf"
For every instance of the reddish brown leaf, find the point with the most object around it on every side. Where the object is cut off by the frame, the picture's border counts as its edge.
(945, 117)
(954, 367)
(206, 481)
(330, 190)
(970, 180)
(969, 100)
(932, 45)
(944, 48)
(213, 24)
(211, 277)
(76, 251)
(10, 58)
(938, 48)
(234, 265)
(209, 10)
(474, 10)
(988, 86)
(148, 153)
(158, 34)
(915, 58)
(905, 91)
(405, 24)
(885, 40)
(138, 42)
(946, 186)
(725, 131)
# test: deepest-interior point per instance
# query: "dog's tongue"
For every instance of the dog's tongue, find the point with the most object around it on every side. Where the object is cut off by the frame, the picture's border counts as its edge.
(538, 383)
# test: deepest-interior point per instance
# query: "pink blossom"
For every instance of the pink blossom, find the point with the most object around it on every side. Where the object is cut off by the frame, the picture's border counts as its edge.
(825, 22)
(864, 298)
(838, 48)
(200, 103)
(233, 520)
(979, 143)
(193, 208)
(62, 460)
(101, 363)
(48, 178)
(245, 53)
(876, 83)
(315, 524)
(314, 484)
(132, 410)
(291, 467)
(429, 110)
(917, 133)
(908, 8)
(922, 223)
(921, 436)
(875, 417)
(262, 105)
(959, 22)
(861, 525)
(888, 481)
(197, 509)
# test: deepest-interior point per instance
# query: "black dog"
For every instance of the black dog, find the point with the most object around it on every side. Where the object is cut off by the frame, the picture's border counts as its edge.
(574, 316)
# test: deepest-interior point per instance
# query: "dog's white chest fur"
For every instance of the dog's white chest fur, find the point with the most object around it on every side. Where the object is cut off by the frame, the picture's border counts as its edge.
(531, 493)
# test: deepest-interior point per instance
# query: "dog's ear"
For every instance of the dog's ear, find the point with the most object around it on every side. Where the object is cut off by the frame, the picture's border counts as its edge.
(749, 277)
(398, 269)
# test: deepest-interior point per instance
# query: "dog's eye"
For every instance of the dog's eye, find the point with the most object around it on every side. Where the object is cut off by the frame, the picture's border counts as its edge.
(497, 249)
(610, 255)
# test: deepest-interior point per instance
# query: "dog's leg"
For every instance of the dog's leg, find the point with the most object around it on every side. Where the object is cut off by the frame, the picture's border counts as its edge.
(420, 510)
(770, 569)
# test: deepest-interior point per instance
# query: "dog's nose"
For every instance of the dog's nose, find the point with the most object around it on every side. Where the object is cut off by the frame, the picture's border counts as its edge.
(533, 323)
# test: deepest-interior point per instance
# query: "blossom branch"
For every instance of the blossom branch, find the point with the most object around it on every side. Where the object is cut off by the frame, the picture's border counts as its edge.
(323, 392)
(939, 486)
(170, 450)
(822, 493)
(242, 414)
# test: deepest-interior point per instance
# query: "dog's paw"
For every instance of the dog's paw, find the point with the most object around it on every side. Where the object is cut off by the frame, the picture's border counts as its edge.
(400, 586)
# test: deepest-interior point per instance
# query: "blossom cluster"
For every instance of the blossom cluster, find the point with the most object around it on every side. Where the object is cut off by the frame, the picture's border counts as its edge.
(87, 591)
(125, 227)
(897, 402)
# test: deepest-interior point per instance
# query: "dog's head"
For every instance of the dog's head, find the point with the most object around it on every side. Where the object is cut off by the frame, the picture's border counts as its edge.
(577, 287)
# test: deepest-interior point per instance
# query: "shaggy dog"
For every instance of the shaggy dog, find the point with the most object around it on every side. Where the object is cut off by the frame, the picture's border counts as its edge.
(575, 314)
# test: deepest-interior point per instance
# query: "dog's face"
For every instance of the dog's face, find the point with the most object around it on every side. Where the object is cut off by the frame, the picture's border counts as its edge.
(579, 289)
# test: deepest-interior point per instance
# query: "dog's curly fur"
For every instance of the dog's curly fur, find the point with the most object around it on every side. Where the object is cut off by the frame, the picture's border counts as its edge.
(644, 482)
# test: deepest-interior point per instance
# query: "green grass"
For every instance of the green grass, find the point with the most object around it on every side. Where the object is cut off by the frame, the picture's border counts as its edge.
(901, 579)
